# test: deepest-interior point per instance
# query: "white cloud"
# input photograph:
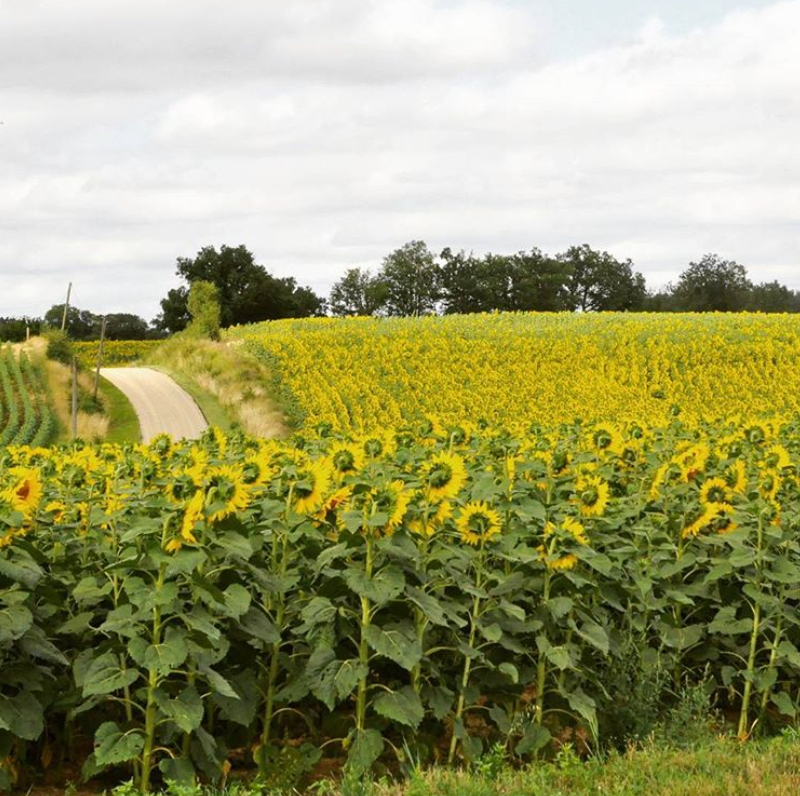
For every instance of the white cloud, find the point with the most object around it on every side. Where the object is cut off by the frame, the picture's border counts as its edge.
(323, 134)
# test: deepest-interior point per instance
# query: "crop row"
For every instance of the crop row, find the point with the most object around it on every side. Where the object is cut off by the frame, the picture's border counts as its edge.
(415, 595)
(26, 415)
(517, 368)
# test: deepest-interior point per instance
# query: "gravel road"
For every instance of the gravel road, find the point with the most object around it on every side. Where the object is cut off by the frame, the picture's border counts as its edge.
(162, 406)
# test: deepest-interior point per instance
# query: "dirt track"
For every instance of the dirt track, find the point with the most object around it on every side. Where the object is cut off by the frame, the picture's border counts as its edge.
(161, 405)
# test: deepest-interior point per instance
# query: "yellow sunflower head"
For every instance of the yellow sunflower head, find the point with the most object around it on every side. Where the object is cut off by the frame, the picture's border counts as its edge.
(24, 492)
(607, 439)
(715, 490)
(377, 446)
(228, 493)
(735, 475)
(192, 515)
(777, 458)
(443, 476)
(346, 458)
(478, 523)
(309, 486)
(559, 539)
(431, 517)
(592, 495)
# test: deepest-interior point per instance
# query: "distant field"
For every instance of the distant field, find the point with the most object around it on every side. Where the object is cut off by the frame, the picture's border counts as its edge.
(518, 369)
(115, 352)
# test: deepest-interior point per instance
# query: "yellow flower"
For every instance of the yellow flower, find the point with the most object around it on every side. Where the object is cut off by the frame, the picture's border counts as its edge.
(310, 486)
(25, 492)
(346, 458)
(769, 484)
(195, 512)
(735, 476)
(226, 486)
(715, 490)
(568, 532)
(592, 496)
(777, 458)
(607, 438)
(443, 475)
(714, 516)
(431, 518)
(478, 523)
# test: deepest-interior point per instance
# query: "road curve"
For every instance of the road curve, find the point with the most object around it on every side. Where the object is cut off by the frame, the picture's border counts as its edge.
(161, 405)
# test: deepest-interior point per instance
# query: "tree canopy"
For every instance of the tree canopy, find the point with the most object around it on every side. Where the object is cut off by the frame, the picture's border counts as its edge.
(247, 292)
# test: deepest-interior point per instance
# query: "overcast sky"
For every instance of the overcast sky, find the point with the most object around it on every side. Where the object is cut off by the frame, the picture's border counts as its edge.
(322, 134)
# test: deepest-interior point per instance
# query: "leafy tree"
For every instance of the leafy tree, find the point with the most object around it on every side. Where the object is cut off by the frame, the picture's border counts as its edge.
(15, 330)
(598, 282)
(80, 323)
(411, 278)
(203, 304)
(711, 285)
(539, 283)
(247, 292)
(125, 326)
(772, 297)
(358, 292)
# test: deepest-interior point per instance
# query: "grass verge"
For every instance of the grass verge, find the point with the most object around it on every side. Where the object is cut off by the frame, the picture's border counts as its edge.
(719, 767)
(229, 385)
(123, 423)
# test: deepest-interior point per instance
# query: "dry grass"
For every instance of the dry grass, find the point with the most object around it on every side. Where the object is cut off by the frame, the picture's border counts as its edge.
(59, 379)
(235, 379)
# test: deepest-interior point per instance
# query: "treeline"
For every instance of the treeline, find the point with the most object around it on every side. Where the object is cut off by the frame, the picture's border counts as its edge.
(413, 281)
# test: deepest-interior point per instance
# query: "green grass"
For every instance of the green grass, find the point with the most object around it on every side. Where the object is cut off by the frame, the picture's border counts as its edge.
(715, 767)
(123, 423)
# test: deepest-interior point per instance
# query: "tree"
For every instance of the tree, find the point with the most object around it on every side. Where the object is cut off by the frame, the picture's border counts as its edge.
(125, 326)
(598, 282)
(247, 292)
(539, 283)
(411, 278)
(80, 323)
(772, 297)
(712, 285)
(358, 292)
(203, 304)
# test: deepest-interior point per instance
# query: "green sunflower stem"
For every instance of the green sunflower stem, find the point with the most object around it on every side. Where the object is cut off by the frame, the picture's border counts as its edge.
(541, 665)
(465, 673)
(363, 647)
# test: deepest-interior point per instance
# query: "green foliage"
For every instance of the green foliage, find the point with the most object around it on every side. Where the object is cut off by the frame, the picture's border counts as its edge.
(204, 310)
(59, 347)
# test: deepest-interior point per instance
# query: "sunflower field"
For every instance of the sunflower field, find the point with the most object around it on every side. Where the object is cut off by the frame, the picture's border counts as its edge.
(115, 352)
(513, 369)
(374, 600)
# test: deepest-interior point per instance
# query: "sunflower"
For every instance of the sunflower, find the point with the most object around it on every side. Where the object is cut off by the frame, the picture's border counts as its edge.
(443, 475)
(714, 491)
(777, 458)
(607, 439)
(569, 531)
(375, 446)
(735, 476)
(227, 491)
(713, 516)
(194, 513)
(692, 460)
(478, 523)
(25, 492)
(257, 469)
(592, 496)
(431, 518)
(327, 512)
(769, 484)
(309, 486)
(346, 458)
(197, 467)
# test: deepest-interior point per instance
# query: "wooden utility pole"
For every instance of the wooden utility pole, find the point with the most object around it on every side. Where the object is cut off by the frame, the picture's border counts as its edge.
(99, 357)
(74, 397)
(66, 308)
